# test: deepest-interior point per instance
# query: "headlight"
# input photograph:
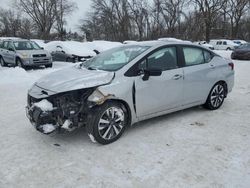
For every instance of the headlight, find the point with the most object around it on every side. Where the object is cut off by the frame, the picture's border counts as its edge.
(97, 97)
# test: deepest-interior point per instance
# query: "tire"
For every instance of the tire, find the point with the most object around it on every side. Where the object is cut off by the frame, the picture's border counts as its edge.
(2, 62)
(216, 97)
(48, 66)
(103, 126)
(19, 63)
(228, 49)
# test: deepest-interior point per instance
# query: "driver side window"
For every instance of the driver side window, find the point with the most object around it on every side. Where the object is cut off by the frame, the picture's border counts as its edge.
(163, 59)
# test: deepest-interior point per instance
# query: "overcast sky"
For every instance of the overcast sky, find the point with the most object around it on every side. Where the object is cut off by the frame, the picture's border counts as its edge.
(73, 20)
(83, 8)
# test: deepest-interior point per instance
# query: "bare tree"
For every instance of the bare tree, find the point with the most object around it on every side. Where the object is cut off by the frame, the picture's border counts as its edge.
(171, 13)
(63, 8)
(139, 14)
(236, 10)
(45, 13)
(10, 22)
(210, 10)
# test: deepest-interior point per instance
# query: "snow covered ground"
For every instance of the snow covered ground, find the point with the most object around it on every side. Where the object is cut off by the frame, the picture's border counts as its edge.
(191, 148)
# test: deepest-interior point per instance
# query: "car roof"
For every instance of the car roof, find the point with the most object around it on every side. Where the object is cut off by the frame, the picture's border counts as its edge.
(155, 43)
(15, 40)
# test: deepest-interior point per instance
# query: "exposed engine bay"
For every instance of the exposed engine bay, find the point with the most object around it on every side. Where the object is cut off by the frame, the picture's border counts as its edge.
(62, 112)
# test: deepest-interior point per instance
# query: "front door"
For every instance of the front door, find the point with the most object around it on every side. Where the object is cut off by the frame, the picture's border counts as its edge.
(160, 93)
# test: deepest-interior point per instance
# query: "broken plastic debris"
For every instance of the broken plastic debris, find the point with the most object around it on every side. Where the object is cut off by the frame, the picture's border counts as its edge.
(67, 124)
(48, 128)
(92, 138)
(44, 105)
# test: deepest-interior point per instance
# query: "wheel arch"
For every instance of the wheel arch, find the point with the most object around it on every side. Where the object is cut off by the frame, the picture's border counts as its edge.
(126, 105)
(18, 58)
(224, 84)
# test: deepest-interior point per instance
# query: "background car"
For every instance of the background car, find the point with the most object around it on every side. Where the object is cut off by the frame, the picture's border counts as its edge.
(242, 52)
(205, 44)
(23, 53)
(69, 51)
(240, 42)
(224, 44)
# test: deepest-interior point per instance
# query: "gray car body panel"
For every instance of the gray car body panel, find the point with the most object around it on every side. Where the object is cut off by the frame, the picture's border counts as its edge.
(168, 94)
(74, 78)
(11, 56)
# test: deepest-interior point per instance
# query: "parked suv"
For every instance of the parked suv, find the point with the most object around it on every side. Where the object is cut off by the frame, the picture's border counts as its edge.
(128, 84)
(224, 44)
(23, 53)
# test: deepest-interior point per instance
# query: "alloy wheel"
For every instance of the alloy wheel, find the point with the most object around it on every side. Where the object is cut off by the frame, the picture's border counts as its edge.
(217, 96)
(111, 123)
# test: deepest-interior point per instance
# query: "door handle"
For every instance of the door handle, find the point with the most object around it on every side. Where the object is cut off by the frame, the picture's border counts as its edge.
(177, 77)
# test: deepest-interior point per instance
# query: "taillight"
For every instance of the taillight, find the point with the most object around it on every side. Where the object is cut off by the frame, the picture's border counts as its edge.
(231, 65)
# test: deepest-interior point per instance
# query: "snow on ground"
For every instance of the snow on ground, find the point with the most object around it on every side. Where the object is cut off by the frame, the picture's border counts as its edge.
(191, 148)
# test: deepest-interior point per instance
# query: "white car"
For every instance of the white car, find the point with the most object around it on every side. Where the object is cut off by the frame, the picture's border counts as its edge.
(205, 44)
(224, 44)
(240, 42)
(128, 84)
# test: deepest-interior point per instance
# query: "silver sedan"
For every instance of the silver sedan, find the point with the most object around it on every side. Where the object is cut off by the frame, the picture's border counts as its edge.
(129, 84)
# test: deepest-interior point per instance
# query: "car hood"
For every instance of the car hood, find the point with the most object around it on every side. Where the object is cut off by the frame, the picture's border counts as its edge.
(74, 78)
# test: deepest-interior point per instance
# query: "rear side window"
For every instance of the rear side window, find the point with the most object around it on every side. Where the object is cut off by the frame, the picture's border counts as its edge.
(193, 56)
(196, 56)
(225, 43)
(207, 56)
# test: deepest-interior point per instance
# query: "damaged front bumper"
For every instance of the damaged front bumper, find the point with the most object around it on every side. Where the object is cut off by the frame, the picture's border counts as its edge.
(41, 120)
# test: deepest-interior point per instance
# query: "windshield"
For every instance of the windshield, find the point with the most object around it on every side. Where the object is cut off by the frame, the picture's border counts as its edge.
(115, 59)
(26, 45)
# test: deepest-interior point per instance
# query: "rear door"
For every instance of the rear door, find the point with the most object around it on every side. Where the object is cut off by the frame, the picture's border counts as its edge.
(200, 74)
(159, 93)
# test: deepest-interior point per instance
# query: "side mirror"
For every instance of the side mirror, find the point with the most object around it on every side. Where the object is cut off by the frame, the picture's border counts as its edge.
(11, 49)
(152, 72)
(42, 48)
(63, 52)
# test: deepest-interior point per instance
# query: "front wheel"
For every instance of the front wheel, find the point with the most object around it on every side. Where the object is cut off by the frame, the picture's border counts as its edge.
(19, 63)
(107, 122)
(216, 97)
(48, 66)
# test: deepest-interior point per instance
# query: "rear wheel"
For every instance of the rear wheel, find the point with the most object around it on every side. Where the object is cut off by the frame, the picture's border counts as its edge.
(2, 62)
(216, 97)
(107, 122)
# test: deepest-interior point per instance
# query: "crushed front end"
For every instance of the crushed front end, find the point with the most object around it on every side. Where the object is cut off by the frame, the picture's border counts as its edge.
(49, 112)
